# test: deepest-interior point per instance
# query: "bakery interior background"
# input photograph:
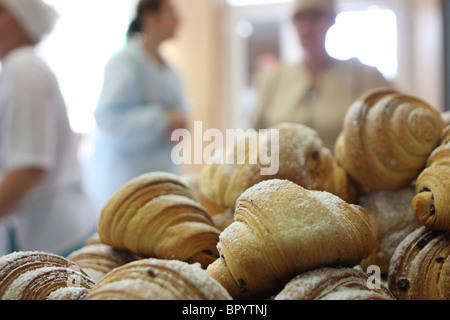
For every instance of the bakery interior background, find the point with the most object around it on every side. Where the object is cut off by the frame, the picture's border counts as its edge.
(220, 42)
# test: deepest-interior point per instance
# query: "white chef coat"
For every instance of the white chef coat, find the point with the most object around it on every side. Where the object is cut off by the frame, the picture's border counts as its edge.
(34, 132)
(132, 136)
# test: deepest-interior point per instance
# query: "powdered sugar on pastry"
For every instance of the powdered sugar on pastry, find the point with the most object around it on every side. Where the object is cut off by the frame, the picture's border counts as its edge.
(332, 284)
(154, 279)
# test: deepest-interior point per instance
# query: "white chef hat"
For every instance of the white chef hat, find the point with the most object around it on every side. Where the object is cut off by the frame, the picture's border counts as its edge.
(327, 6)
(35, 17)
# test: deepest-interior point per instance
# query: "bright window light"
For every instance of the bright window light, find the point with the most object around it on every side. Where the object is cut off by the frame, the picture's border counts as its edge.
(369, 35)
(241, 3)
(86, 35)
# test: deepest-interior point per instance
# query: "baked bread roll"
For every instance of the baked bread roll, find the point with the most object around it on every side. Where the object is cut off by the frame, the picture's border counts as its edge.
(193, 180)
(94, 239)
(282, 229)
(302, 159)
(41, 276)
(386, 139)
(420, 266)
(99, 259)
(431, 205)
(157, 215)
(334, 284)
(392, 219)
(154, 279)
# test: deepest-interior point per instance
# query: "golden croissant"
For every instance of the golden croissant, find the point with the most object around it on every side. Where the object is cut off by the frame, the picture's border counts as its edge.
(33, 275)
(154, 279)
(334, 284)
(99, 259)
(301, 158)
(282, 229)
(387, 138)
(157, 215)
(431, 205)
(193, 180)
(420, 266)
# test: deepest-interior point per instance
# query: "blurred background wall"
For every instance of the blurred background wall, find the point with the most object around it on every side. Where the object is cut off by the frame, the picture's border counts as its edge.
(222, 44)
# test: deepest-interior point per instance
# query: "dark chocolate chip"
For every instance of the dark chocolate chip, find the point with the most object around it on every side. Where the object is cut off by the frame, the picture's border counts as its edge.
(403, 283)
(432, 209)
(315, 155)
(151, 272)
(242, 285)
(440, 259)
(422, 243)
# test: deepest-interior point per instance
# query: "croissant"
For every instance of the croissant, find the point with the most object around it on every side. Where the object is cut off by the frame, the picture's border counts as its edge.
(431, 205)
(154, 279)
(193, 181)
(41, 276)
(94, 239)
(420, 266)
(99, 259)
(386, 139)
(302, 159)
(334, 284)
(392, 219)
(282, 229)
(156, 215)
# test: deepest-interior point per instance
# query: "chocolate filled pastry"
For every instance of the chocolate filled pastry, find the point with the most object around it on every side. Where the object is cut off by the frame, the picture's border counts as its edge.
(297, 155)
(392, 219)
(420, 266)
(154, 279)
(99, 259)
(41, 276)
(282, 229)
(156, 215)
(387, 138)
(431, 205)
(334, 284)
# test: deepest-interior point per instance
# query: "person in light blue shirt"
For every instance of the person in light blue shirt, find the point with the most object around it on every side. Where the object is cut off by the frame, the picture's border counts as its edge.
(142, 102)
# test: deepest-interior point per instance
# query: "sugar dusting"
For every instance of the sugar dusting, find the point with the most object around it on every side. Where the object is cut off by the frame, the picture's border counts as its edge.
(329, 283)
(180, 275)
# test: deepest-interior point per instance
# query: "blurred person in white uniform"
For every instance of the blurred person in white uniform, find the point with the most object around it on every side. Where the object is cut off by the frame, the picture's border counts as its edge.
(317, 91)
(42, 204)
(142, 102)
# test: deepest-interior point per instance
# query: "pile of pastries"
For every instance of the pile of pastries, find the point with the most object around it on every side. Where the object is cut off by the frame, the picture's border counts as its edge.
(369, 220)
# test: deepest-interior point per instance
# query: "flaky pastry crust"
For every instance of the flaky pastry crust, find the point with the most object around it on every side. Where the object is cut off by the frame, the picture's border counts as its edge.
(157, 215)
(41, 276)
(387, 138)
(431, 205)
(282, 229)
(303, 159)
(334, 284)
(154, 279)
(420, 266)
